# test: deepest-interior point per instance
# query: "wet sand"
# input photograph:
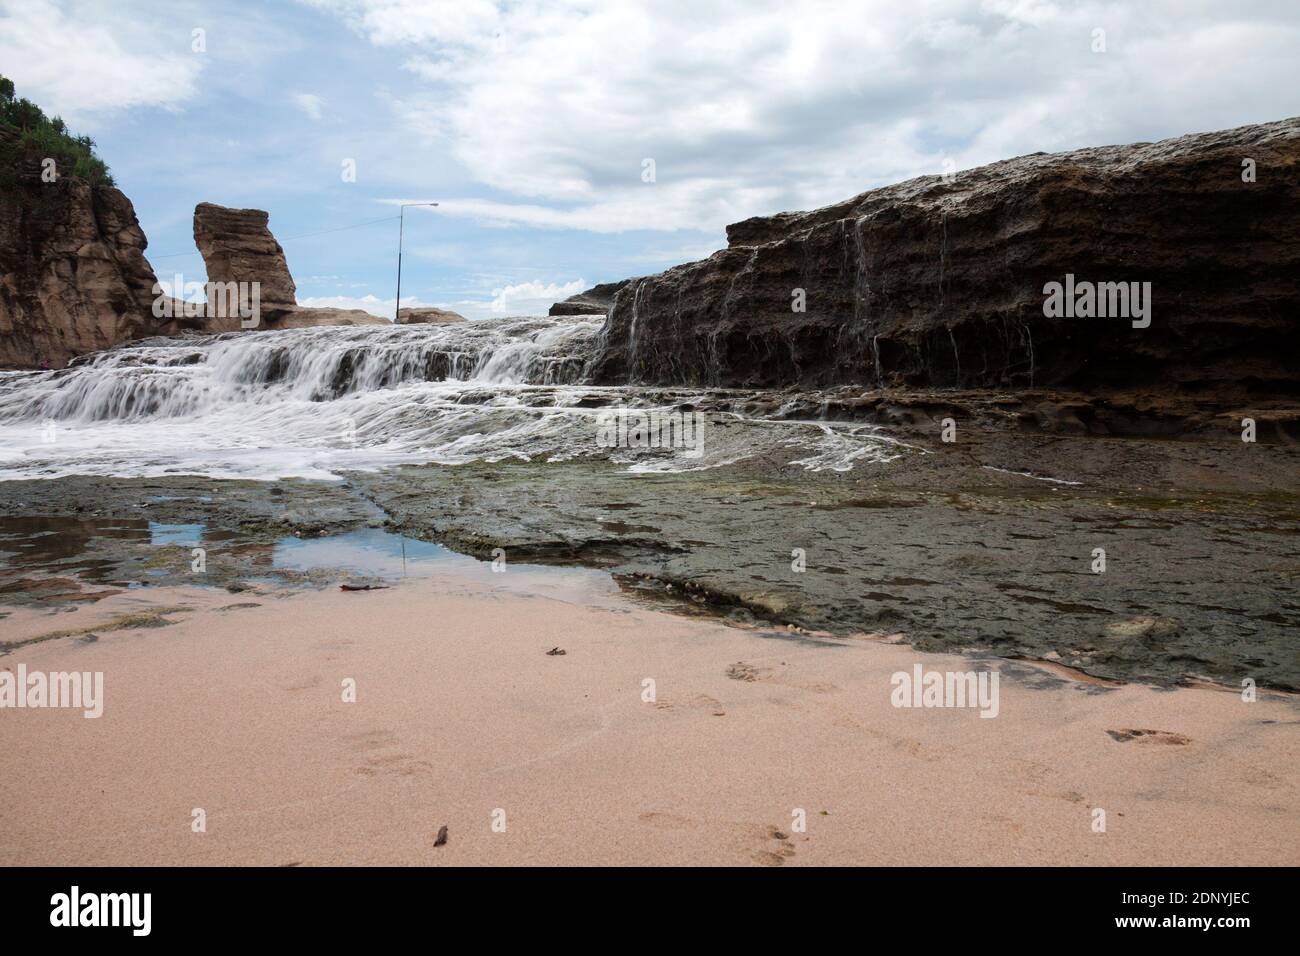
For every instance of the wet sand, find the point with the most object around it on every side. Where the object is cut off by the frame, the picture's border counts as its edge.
(461, 714)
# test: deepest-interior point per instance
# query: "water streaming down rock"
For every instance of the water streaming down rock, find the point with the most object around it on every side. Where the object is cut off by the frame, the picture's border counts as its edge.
(321, 401)
(939, 282)
(171, 378)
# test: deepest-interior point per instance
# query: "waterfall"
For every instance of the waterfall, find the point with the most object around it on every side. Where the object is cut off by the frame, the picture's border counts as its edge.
(184, 377)
(322, 402)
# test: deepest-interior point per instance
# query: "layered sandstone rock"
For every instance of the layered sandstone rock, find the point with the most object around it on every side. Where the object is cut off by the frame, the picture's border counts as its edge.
(428, 315)
(595, 301)
(237, 246)
(302, 317)
(73, 276)
(935, 282)
(307, 316)
(74, 279)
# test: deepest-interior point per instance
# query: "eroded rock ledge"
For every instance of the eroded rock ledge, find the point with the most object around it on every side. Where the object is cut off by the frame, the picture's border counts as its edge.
(935, 283)
(595, 301)
(428, 315)
(237, 246)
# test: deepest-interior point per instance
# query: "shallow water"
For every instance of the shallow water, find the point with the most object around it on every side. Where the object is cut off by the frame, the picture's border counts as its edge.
(992, 550)
(376, 553)
(371, 552)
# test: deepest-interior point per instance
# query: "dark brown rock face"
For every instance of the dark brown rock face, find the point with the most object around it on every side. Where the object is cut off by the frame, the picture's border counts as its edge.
(73, 276)
(237, 246)
(941, 283)
(595, 301)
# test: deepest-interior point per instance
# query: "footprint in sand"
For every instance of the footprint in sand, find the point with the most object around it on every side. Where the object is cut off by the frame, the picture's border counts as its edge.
(399, 764)
(745, 672)
(665, 821)
(914, 748)
(1149, 737)
(372, 739)
(762, 843)
(694, 702)
(395, 761)
(402, 764)
(1259, 777)
(816, 686)
(776, 847)
(750, 673)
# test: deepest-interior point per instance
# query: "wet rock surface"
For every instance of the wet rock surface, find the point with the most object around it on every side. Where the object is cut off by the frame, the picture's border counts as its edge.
(1200, 580)
(79, 539)
(987, 543)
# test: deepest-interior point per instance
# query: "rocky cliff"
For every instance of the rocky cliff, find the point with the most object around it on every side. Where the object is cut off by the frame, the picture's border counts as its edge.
(74, 279)
(942, 282)
(73, 276)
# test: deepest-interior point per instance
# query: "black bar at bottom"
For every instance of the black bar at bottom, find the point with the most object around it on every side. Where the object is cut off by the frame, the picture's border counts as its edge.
(1223, 906)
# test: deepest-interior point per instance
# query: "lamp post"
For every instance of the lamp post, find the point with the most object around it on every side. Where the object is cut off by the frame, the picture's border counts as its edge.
(401, 228)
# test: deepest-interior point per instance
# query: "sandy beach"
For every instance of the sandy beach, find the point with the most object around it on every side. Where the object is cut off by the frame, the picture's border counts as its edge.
(462, 719)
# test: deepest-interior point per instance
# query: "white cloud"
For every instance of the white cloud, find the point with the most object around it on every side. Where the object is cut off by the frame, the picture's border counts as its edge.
(309, 103)
(751, 106)
(390, 22)
(700, 204)
(532, 298)
(72, 66)
(529, 298)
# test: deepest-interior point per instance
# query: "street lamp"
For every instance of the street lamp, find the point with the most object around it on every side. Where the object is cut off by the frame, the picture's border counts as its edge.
(397, 309)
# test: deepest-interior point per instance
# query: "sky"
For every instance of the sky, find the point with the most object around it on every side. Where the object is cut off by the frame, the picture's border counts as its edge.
(580, 141)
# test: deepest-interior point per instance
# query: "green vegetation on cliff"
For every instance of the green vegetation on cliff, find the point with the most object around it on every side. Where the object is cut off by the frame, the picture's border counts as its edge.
(25, 130)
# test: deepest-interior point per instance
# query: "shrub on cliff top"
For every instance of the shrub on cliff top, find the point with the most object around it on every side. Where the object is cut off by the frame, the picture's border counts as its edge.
(32, 132)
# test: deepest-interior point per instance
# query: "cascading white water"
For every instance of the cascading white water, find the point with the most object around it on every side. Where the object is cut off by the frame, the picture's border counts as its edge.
(173, 378)
(318, 402)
